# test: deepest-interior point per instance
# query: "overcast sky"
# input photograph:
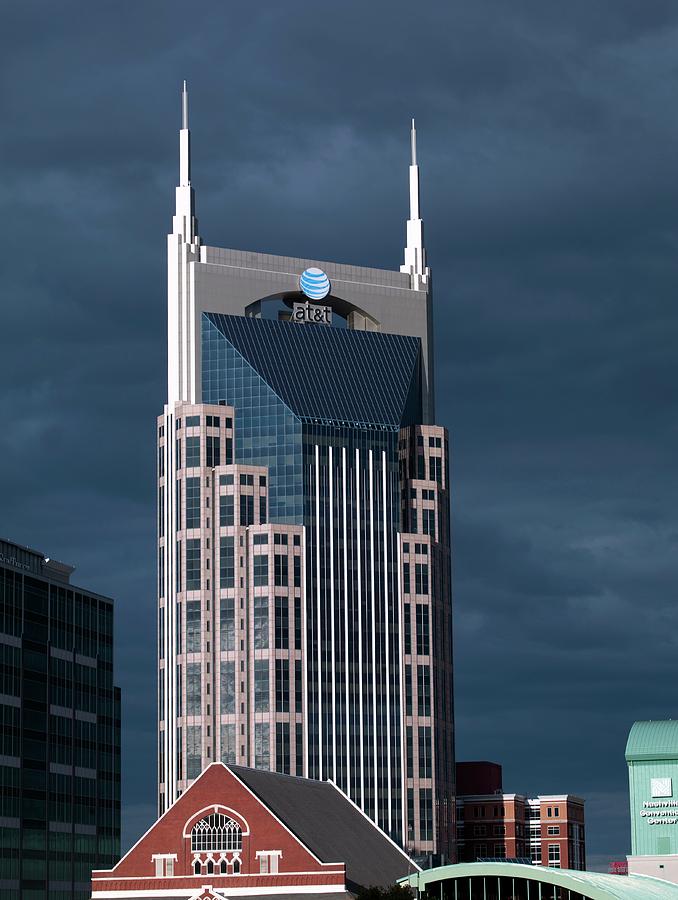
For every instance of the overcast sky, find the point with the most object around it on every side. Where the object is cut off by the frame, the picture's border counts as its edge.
(548, 144)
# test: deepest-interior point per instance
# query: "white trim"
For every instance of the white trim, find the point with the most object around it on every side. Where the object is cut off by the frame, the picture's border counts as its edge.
(278, 853)
(374, 643)
(317, 621)
(360, 618)
(304, 660)
(386, 648)
(242, 877)
(215, 808)
(401, 657)
(330, 471)
(164, 856)
(226, 890)
(345, 593)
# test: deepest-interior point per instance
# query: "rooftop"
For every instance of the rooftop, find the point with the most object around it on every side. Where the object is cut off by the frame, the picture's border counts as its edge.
(653, 739)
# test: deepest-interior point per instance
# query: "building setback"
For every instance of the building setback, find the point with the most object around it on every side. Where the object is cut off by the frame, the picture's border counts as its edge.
(60, 730)
(303, 527)
(238, 832)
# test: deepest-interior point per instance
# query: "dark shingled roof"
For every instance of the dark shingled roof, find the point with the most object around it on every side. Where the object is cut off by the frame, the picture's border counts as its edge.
(326, 821)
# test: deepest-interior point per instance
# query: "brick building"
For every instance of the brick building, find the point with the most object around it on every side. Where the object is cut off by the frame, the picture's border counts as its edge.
(249, 832)
(548, 830)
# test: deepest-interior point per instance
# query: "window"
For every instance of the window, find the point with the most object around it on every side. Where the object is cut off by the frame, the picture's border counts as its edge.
(556, 811)
(429, 522)
(409, 744)
(426, 814)
(213, 447)
(423, 631)
(297, 570)
(177, 448)
(479, 830)
(554, 856)
(423, 691)
(297, 622)
(227, 687)
(226, 562)
(193, 503)
(193, 689)
(500, 851)
(435, 468)
(193, 564)
(192, 452)
(262, 509)
(246, 509)
(407, 632)
(259, 539)
(280, 569)
(226, 479)
(226, 510)
(421, 578)
(246, 479)
(282, 623)
(262, 742)
(260, 623)
(261, 702)
(298, 686)
(228, 746)
(216, 833)
(282, 685)
(406, 578)
(227, 623)
(260, 569)
(408, 690)
(499, 830)
(193, 625)
(553, 829)
(282, 747)
(161, 512)
(425, 752)
(191, 421)
(193, 751)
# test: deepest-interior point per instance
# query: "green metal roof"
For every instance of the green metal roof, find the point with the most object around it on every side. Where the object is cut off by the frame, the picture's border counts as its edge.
(653, 740)
(591, 884)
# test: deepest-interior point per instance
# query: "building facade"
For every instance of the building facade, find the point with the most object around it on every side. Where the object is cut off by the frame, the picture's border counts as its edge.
(652, 759)
(491, 824)
(60, 734)
(303, 527)
(239, 832)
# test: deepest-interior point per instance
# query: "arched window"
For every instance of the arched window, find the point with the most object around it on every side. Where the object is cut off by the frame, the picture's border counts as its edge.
(224, 867)
(210, 867)
(216, 833)
(236, 867)
(197, 868)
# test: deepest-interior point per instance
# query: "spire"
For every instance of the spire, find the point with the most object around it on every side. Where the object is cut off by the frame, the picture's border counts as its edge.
(415, 255)
(185, 223)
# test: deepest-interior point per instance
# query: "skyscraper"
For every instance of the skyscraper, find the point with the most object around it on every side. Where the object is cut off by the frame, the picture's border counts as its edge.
(303, 526)
(60, 734)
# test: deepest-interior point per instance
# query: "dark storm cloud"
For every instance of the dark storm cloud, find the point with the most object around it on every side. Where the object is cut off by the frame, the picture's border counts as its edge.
(548, 145)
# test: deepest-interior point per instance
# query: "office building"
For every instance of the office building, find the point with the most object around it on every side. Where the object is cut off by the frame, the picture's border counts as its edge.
(60, 731)
(239, 832)
(546, 830)
(303, 527)
(652, 759)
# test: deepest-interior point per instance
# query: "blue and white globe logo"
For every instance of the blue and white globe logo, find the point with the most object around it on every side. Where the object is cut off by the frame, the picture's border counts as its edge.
(314, 283)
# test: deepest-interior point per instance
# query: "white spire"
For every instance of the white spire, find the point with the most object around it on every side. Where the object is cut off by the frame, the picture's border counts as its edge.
(184, 218)
(415, 255)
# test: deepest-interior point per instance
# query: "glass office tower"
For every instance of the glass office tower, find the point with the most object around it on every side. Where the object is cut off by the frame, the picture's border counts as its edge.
(60, 735)
(303, 528)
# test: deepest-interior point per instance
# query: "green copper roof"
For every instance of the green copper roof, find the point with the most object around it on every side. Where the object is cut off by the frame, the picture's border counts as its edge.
(592, 885)
(653, 740)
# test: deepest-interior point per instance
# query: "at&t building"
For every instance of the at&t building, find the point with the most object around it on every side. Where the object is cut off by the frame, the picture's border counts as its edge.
(305, 620)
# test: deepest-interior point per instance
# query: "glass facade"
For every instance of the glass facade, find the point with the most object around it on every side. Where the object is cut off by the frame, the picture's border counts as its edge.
(59, 732)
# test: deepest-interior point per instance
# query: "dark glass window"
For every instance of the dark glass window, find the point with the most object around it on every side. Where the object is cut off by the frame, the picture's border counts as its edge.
(297, 569)
(423, 629)
(297, 622)
(407, 632)
(192, 452)
(435, 466)
(423, 691)
(246, 509)
(280, 569)
(262, 509)
(282, 623)
(421, 578)
(408, 690)
(282, 747)
(299, 741)
(429, 522)
(191, 421)
(193, 564)
(193, 503)
(409, 751)
(260, 569)
(298, 686)
(282, 685)
(161, 512)
(406, 578)
(193, 751)
(213, 447)
(425, 752)
(228, 456)
(226, 510)
(425, 814)
(177, 448)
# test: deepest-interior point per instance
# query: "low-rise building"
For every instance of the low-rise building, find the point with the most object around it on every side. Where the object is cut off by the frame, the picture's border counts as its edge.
(491, 824)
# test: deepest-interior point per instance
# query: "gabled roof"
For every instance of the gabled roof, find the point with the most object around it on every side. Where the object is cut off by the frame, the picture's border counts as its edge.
(330, 825)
